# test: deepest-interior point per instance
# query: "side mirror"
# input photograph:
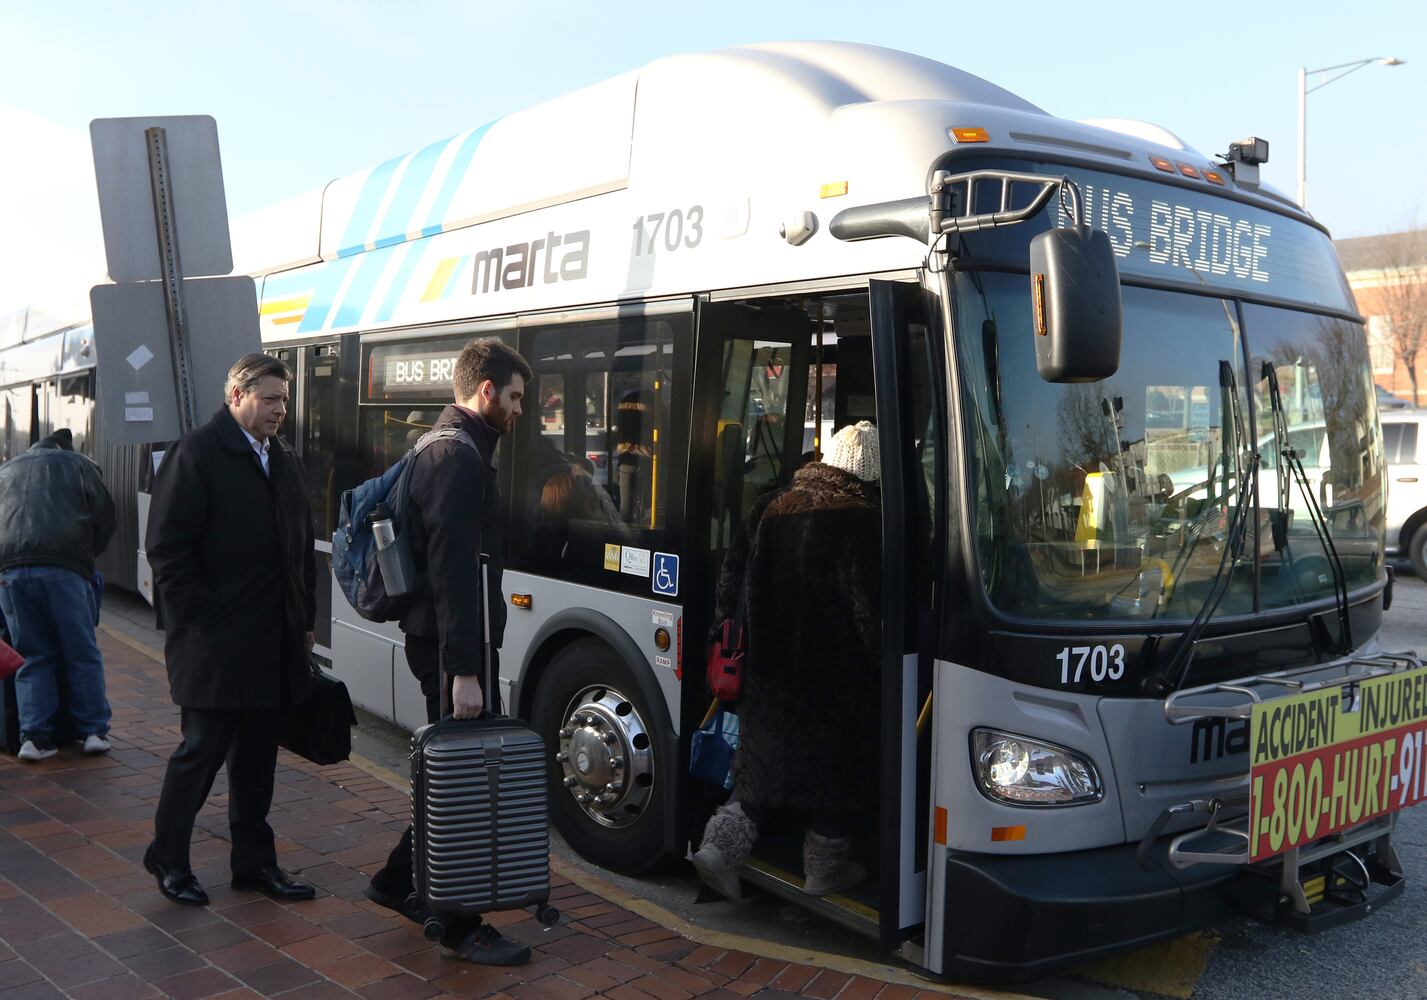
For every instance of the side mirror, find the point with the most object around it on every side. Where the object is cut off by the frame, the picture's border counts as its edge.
(1075, 299)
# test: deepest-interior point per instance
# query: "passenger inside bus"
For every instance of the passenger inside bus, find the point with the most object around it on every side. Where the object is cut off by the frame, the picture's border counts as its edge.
(634, 455)
(808, 570)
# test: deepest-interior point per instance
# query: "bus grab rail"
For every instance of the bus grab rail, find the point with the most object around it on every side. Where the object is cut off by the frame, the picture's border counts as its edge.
(1178, 709)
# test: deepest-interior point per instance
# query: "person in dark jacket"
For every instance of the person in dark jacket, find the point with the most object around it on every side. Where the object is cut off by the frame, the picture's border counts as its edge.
(453, 516)
(811, 560)
(56, 517)
(230, 543)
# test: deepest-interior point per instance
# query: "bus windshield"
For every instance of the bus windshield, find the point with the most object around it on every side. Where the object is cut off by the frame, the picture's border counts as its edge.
(1113, 500)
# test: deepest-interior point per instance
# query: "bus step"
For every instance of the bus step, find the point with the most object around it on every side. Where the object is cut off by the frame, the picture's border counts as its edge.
(842, 910)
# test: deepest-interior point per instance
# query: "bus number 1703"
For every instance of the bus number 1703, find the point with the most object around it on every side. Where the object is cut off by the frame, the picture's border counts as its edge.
(1106, 663)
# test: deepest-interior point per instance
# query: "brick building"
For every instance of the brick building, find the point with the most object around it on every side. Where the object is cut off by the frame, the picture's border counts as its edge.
(1388, 275)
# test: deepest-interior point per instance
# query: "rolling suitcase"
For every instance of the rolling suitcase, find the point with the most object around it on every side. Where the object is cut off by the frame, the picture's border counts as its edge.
(480, 828)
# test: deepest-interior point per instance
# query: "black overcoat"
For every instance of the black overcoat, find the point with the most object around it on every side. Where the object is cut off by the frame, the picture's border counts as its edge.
(810, 711)
(234, 573)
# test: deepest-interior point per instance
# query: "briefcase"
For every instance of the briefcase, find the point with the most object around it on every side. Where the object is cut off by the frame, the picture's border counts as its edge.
(320, 729)
(480, 825)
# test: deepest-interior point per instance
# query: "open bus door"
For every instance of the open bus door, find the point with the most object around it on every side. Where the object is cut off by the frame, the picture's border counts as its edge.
(905, 356)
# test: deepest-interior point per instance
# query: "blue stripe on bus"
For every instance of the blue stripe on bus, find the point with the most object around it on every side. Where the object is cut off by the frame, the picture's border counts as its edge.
(409, 191)
(402, 279)
(354, 301)
(456, 272)
(454, 176)
(364, 213)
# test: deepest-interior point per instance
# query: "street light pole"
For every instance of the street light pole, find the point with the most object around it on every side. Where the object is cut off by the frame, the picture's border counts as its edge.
(1304, 90)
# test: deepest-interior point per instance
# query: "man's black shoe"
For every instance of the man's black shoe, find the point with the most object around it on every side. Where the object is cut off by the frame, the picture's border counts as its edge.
(274, 883)
(487, 946)
(398, 904)
(178, 886)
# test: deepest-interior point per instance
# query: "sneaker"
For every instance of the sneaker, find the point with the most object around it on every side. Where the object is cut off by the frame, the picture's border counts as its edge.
(487, 946)
(37, 748)
(94, 743)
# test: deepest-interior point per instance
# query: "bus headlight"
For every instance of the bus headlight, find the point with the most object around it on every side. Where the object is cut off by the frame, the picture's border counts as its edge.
(1026, 772)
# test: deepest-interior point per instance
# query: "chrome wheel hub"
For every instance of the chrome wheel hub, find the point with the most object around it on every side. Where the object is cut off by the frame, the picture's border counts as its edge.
(607, 757)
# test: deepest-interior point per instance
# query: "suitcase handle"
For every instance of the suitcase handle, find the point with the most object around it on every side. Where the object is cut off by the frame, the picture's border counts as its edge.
(446, 708)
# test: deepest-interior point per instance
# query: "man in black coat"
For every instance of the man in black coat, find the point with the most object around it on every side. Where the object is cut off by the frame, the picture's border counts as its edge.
(453, 517)
(230, 543)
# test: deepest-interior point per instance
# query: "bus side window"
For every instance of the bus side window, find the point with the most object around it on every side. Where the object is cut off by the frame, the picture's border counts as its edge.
(600, 456)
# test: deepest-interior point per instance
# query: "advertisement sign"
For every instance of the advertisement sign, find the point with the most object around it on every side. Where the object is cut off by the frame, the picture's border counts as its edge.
(1335, 758)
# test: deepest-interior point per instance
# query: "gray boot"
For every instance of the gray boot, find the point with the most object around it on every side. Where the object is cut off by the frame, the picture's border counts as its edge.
(728, 838)
(828, 866)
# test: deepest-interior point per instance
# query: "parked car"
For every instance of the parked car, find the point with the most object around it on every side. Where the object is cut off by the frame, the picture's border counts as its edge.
(1405, 448)
(1387, 401)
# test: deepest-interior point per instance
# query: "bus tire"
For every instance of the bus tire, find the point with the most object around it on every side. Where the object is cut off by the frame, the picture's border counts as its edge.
(1417, 552)
(607, 789)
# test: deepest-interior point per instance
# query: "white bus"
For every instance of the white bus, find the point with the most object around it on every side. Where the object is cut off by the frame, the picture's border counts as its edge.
(713, 260)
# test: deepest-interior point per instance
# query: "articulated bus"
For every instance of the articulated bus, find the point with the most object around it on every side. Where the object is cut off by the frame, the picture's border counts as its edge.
(1130, 676)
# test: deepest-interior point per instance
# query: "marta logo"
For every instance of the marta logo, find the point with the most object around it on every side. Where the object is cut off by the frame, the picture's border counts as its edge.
(555, 258)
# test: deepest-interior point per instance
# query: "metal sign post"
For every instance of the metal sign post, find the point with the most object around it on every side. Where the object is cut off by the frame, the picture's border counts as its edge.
(156, 141)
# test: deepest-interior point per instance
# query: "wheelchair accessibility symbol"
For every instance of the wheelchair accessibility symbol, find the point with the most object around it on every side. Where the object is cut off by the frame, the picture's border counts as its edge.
(665, 578)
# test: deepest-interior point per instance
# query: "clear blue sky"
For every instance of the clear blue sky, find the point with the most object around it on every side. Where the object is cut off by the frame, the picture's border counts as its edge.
(308, 90)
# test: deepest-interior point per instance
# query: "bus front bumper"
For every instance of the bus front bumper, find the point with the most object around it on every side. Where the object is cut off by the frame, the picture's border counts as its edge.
(1011, 918)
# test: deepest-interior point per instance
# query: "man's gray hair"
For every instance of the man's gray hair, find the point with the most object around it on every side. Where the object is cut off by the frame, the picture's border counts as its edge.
(251, 369)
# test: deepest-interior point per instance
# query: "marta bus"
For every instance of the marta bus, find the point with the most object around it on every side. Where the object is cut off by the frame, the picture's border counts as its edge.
(1129, 640)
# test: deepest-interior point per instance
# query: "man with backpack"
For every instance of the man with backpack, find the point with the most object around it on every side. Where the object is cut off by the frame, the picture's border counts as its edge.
(451, 515)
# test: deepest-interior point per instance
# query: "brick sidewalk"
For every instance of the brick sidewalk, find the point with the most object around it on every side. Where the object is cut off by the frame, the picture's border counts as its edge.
(79, 917)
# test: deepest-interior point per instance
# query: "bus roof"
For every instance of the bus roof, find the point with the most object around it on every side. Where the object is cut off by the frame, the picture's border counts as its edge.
(792, 108)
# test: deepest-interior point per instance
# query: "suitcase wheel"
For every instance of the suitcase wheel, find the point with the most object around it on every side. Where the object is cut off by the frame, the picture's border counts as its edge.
(433, 929)
(547, 915)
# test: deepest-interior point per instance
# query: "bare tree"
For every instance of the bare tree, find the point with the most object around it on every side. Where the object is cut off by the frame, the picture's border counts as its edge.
(1402, 296)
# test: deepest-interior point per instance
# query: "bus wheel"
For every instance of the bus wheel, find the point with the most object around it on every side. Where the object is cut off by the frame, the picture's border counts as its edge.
(1417, 552)
(606, 787)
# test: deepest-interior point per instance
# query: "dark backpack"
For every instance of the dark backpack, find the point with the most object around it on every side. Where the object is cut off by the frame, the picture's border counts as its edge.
(354, 548)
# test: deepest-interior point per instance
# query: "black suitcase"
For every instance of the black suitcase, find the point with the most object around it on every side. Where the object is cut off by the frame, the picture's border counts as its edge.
(480, 826)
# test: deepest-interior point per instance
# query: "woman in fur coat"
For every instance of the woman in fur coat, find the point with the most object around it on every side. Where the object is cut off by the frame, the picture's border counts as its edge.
(809, 713)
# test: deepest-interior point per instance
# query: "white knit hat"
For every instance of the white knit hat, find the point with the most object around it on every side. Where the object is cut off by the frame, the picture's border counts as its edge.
(854, 449)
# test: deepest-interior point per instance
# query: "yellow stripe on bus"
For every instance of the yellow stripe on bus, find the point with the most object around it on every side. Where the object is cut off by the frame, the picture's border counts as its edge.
(437, 285)
(285, 305)
(287, 319)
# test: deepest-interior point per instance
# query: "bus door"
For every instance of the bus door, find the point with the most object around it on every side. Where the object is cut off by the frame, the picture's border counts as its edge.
(905, 357)
(747, 438)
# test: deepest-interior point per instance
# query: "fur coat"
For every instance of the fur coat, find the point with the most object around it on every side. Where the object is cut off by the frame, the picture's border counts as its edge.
(810, 709)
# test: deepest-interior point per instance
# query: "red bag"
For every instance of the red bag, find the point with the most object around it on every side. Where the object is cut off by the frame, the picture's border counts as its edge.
(725, 666)
(10, 661)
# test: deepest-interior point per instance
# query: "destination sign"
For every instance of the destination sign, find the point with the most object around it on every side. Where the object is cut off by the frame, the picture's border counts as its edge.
(1187, 235)
(1333, 759)
(412, 371)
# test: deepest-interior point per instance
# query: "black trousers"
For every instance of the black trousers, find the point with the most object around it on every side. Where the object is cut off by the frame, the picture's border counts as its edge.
(247, 742)
(423, 657)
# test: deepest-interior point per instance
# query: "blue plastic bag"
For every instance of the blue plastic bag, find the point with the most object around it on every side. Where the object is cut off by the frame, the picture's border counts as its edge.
(712, 748)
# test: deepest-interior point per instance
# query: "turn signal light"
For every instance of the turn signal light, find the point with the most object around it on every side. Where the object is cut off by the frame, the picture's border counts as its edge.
(969, 135)
(522, 601)
(1000, 833)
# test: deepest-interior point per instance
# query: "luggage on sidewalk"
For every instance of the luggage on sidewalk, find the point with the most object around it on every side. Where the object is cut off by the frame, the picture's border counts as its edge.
(480, 826)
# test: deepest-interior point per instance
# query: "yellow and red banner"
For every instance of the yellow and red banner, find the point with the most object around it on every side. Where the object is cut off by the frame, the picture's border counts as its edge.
(1332, 759)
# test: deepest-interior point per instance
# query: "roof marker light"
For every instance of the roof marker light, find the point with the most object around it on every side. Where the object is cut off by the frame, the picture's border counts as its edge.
(1188, 170)
(1214, 177)
(833, 190)
(1162, 164)
(968, 135)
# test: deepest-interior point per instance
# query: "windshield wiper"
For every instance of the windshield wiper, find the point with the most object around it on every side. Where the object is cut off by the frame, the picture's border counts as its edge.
(1294, 459)
(1172, 677)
